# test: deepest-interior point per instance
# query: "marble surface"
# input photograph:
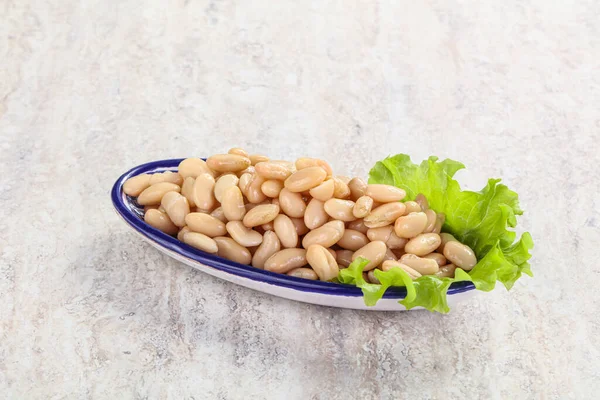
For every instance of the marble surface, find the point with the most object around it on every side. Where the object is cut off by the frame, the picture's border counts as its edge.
(89, 89)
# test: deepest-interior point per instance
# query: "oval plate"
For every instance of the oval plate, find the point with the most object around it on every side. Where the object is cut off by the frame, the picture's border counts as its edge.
(315, 292)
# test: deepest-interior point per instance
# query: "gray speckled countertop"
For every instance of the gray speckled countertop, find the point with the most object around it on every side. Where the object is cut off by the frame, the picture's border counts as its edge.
(89, 89)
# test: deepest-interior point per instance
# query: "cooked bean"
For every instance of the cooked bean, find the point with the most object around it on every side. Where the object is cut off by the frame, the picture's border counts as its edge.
(373, 251)
(256, 158)
(166, 176)
(188, 190)
(268, 226)
(238, 151)
(384, 215)
(205, 224)
(250, 170)
(286, 260)
(288, 164)
(301, 228)
(324, 191)
(409, 226)
(383, 233)
(306, 162)
(194, 167)
(385, 193)
(352, 240)
(358, 188)
(154, 194)
(272, 188)
(362, 207)
(137, 184)
(315, 215)
(176, 206)
(396, 242)
(344, 257)
(421, 200)
(326, 235)
(412, 206)
(372, 278)
(305, 179)
(389, 255)
(446, 237)
(182, 232)
(291, 203)
(224, 182)
(460, 255)
(254, 193)
(387, 265)
(201, 242)
(260, 214)
(286, 231)
(425, 266)
(219, 214)
(152, 207)
(439, 222)
(244, 181)
(358, 225)
(227, 162)
(322, 262)
(160, 221)
(271, 170)
(340, 209)
(304, 273)
(423, 244)
(447, 271)
(269, 246)
(439, 258)
(245, 236)
(340, 188)
(231, 250)
(431, 219)
(203, 192)
(233, 204)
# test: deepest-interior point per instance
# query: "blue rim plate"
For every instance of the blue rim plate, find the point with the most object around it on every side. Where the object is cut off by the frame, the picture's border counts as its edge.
(132, 213)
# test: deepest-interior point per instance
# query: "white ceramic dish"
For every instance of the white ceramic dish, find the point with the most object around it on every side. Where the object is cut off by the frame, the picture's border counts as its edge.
(315, 292)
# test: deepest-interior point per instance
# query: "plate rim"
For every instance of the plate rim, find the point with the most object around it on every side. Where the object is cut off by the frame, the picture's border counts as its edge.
(123, 207)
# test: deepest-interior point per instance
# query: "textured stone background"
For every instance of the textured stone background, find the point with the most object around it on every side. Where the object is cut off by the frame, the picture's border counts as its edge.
(89, 89)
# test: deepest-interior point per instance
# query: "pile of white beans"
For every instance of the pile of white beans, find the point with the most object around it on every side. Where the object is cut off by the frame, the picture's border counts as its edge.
(296, 218)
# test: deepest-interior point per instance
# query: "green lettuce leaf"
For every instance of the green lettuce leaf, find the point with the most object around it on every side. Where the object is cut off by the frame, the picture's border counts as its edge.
(482, 220)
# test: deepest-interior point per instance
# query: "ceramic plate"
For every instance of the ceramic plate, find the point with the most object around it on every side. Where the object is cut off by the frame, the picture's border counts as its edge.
(315, 292)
